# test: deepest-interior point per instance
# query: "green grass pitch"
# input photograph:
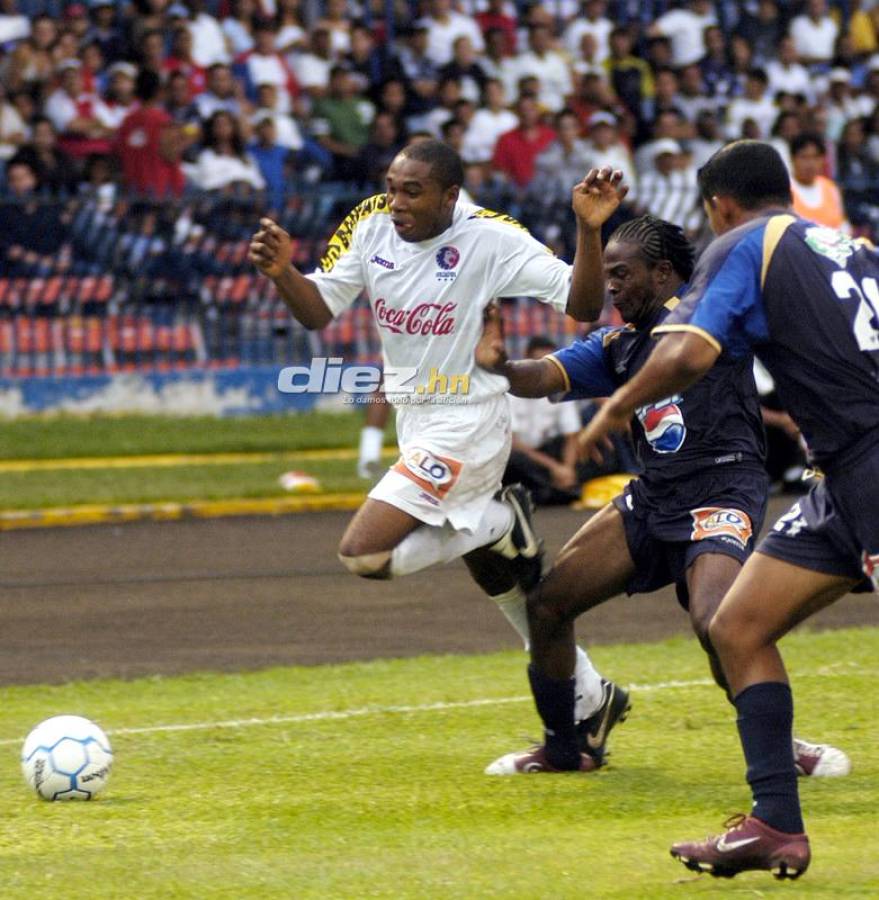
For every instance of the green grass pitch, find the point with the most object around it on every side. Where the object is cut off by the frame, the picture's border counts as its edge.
(365, 780)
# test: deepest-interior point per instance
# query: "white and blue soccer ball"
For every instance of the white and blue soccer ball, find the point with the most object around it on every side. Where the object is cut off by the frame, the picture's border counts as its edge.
(67, 758)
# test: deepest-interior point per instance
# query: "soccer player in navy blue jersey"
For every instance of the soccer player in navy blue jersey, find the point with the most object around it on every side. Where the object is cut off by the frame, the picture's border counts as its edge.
(689, 520)
(806, 299)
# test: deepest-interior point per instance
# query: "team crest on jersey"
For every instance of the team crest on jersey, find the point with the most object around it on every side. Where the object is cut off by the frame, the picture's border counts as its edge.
(663, 424)
(434, 474)
(727, 524)
(830, 243)
(447, 258)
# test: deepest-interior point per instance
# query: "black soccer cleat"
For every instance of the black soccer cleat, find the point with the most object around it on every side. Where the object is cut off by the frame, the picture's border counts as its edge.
(528, 561)
(592, 733)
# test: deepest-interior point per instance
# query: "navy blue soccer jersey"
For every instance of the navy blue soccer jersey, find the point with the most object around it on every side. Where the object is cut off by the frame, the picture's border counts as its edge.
(715, 422)
(806, 299)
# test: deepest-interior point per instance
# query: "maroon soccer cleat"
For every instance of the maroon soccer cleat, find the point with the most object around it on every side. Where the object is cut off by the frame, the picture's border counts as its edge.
(534, 760)
(747, 844)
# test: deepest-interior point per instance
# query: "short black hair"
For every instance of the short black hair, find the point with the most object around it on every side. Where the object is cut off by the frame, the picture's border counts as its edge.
(445, 164)
(147, 86)
(750, 172)
(808, 139)
(658, 239)
(540, 342)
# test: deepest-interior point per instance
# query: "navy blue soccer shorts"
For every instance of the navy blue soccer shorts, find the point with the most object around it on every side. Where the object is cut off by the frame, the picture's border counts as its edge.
(668, 526)
(834, 529)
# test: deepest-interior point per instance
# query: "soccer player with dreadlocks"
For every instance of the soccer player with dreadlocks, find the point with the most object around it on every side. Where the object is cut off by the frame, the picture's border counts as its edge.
(690, 519)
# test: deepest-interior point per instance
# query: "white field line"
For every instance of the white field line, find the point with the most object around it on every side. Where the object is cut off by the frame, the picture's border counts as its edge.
(331, 715)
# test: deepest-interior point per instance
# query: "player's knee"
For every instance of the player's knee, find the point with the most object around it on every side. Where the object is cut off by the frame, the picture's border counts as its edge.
(544, 612)
(361, 560)
(721, 633)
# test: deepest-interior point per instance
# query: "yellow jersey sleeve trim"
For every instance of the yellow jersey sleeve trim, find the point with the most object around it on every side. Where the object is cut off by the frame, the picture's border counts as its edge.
(340, 243)
(672, 302)
(551, 357)
(775, 229)
(691, 329)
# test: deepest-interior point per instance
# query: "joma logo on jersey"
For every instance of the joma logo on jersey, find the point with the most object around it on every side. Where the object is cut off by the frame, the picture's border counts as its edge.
(423, 319)
(726, 524)
(384, 263)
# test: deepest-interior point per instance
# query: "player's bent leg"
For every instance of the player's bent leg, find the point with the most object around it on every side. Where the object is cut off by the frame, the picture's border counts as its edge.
(592, 567)
(371, 536)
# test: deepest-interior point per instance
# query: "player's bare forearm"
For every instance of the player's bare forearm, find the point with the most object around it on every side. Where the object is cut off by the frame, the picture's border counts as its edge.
(532, 377)
(303, 299)
(586, 294)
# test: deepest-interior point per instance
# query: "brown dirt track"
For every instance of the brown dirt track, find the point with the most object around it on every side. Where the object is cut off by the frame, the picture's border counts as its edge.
(231, 594)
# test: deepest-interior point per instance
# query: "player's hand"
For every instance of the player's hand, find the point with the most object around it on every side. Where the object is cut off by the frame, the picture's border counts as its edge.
(271, 249)
(596, 198)
(490, 352)
(594, 440)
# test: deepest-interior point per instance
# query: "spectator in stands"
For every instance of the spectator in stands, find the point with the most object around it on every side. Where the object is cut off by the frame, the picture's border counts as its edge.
(222, 93)
(762, 28)
(178, 101)
(544, 454)
(787, 126)
(420, 73)
(667, 125)
(448, 94)
(516, 151)
(312, 69)
(151, 52)
(707, 140)
(13, 131)
(593, 21)
(105, 32)
(238, 27)
(265, 65)
(547, 64)
(82, 119)
(862, 28)
(786, 74)
(692, 98)
(842, 104)
(385, 142)
(150, 145)
(120, 99)
(444, 26)
(208, 39)
(494, 18)
(858, 176)
(605, 148)
(30, 64)
(565, 161)
(99, 182)
(56, 171)
(630, 76)
(182, 60)
(336, 21)
(223, 161)
(845, 57)
(489, 122)
(717, 73)
(465, 69)
(686, 29)
(369, 64)
(341, 125)
(392, 100)
(665, 94)
(287, 131)
(272, 158)
(32, 232)
(814, 34)
(816, 197)
(670, 191)
(756, 105)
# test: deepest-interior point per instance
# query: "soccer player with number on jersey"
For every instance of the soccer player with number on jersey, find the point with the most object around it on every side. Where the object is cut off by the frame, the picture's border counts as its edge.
(430, 264)
(806, 299)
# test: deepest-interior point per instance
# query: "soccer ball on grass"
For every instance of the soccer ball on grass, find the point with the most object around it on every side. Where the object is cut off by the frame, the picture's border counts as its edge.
(67, 758)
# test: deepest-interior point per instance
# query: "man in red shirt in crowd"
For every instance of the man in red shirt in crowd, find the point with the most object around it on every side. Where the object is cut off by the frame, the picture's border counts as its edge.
(149, 144)
(516, 151)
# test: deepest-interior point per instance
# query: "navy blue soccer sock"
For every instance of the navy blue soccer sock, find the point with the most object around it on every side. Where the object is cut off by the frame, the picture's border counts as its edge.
(555, 703)
(765, 721)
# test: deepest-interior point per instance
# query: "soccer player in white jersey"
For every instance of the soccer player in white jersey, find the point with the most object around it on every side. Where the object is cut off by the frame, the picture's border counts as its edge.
(430, 264)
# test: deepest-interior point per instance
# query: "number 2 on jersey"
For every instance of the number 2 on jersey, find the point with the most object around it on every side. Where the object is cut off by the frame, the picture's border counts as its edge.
(866, 323)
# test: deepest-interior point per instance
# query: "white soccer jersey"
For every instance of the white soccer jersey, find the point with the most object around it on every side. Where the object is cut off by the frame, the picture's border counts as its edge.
(428, 297)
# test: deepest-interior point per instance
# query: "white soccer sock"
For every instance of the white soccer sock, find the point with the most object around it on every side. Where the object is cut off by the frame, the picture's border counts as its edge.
(371, 439)
(430, 544)
(513, 605)
(588, 687)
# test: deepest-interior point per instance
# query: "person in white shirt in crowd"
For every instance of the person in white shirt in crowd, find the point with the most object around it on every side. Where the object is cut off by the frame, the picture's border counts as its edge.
(593, 20)
(287, 131)
(786, 74)
(238, 26)
(565, 160)
(120, 99)
(209, 44)
(707, 140)
(605, 148)
(671, 192)
(312, 69)
(265, 65)
(444, 26)
(466, 68)
(544, 454)
(814, 33)
(223, 93)
(448, 94)
(13, 130)
(692, 98)
(548, 65)
(842, 103)
(223, 162)
(756, 105)
(686, 29)
(337, 20)
(489, 122)
(82, 119)
(430, 266)
(291, 31)
(668, 125)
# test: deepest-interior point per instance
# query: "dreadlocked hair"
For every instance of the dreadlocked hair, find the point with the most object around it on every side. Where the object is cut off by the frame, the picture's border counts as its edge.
(658, 240)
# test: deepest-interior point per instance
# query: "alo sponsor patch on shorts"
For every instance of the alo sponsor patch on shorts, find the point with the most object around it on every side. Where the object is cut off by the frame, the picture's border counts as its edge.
(434, 474)
(717, 522)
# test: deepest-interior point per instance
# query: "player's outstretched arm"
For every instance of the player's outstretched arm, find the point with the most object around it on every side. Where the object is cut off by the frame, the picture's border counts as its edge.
(527, 377)
(271, 251)
(594, 200)
(678, 361)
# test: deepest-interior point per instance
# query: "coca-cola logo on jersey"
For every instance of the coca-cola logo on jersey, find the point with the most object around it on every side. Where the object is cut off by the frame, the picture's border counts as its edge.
(425, 318)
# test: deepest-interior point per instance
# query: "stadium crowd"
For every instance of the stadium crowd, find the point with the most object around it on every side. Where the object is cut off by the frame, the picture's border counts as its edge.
(168, 98)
